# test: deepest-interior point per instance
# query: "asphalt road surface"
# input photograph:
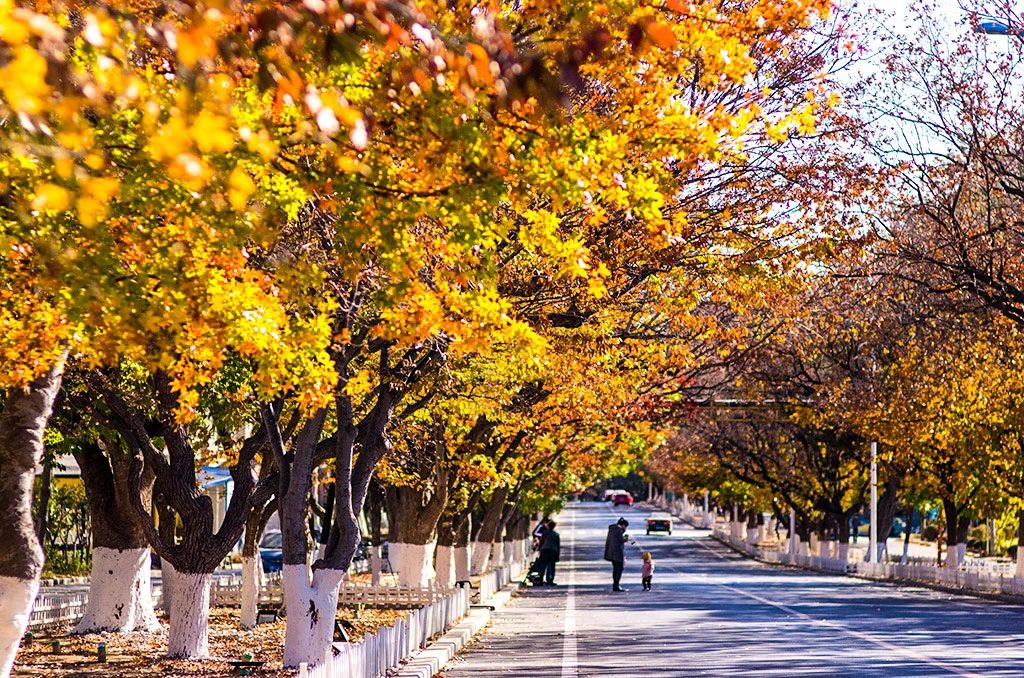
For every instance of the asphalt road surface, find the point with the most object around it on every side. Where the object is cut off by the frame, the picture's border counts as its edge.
(714, 613)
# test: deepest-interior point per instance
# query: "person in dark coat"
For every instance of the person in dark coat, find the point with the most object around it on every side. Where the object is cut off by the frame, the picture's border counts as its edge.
(550, 553)
(615, 551)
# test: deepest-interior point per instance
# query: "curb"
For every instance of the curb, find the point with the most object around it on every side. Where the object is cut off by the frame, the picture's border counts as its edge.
(429, 661)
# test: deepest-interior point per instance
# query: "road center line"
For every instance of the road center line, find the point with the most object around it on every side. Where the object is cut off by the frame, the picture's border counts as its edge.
(570, 667)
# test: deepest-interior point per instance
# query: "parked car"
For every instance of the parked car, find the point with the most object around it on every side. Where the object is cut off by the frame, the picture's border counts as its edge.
(622, 498)
(270, 551)
(659, 523)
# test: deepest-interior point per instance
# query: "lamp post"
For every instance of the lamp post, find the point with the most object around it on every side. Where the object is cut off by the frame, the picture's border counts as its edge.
(873, 538)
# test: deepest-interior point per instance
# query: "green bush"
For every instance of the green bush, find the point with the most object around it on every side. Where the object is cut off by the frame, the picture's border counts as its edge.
(68, 544)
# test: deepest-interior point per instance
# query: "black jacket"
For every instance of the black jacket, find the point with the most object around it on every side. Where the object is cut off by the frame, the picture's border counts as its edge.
(615, 544)
(551, 541)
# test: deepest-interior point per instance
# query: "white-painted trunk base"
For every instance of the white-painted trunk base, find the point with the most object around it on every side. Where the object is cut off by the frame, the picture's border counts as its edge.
(1020, 561)
(803, 548)
(463, 562)
(120, 594)
(414, 563)
(509, 552)
(479, 557)
(444, 564)
(814, 543)
(961, 553)
(953, 556)
(752, 535)
(16, 599)
(823, 551)
(843, 552)
(250, 592)
(312, 608)
(188, 637)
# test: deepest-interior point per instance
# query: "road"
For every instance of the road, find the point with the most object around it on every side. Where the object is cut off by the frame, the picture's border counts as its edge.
(714, 613)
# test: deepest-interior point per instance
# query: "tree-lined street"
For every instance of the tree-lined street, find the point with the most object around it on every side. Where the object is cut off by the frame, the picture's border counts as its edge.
(714, 613)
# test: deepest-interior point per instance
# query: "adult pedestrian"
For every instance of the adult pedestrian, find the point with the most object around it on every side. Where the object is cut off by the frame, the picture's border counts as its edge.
(615, 551)
(538, 532)
(550, 553)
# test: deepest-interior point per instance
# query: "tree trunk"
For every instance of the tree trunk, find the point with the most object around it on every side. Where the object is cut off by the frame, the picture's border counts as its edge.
(952, 516)
(1020, 544)
(752, 527)
(412, 518)
(201, 548)
(887, 506)
(250, 592)
(489, 524)
(22, 424)
(312, 609)
(251, 566)
(189, 635)
(165, 519)
(444, 562)
(120, 593)
(463, 551)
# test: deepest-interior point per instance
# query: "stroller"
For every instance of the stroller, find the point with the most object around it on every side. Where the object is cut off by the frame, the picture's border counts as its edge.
(535, 575)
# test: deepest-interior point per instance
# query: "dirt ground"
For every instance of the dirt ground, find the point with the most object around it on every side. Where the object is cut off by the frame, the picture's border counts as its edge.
(140, 654)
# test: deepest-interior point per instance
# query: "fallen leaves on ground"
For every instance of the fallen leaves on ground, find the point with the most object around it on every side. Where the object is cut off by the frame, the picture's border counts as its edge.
(141, 654)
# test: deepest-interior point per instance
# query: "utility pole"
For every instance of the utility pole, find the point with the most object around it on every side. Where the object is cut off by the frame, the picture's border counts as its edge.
(792, 532)
(873, 540)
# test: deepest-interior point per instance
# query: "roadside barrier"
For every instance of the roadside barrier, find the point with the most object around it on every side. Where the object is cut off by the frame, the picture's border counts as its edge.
(379, 652)
(970, 577)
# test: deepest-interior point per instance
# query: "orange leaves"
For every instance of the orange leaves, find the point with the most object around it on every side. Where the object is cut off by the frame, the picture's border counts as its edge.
(661, 34)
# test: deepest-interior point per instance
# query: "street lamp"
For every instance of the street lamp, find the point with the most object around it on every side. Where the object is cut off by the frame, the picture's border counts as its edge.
(993, 25)
(873, 538)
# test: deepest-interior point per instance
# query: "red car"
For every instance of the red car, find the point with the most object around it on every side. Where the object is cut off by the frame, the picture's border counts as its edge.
(622, 499)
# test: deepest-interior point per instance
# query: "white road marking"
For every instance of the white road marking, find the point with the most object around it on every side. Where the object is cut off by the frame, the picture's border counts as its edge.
(570, 666)
(910, 654)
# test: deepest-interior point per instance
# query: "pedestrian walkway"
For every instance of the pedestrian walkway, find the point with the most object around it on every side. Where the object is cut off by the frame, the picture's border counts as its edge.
(714, 613)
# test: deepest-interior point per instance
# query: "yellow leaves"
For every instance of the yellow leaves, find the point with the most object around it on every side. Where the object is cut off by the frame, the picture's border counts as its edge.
(240, 187)
(23, 81)
(51, 198)
(94, 199)
(211, 132)
(541, 233)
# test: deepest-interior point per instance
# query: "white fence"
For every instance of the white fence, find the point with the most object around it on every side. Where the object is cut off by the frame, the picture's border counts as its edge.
(379, 652)
(227, 592)
(497, 579)
(51, 609)
(972, 576)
